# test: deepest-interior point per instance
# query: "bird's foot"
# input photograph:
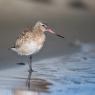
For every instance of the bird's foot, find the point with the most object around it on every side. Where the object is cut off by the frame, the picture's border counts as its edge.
(30, 70)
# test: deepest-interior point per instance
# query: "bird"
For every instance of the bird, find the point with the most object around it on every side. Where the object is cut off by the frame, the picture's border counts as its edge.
(31, 41)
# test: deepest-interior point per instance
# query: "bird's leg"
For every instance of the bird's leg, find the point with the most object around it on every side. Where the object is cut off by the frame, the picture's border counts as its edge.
(30, 71)
(30, 64)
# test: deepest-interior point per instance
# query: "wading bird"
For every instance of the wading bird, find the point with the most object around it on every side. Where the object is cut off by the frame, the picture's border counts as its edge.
(32, 40)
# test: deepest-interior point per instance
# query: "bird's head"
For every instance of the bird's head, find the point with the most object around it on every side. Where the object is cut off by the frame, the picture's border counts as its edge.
(45, 28)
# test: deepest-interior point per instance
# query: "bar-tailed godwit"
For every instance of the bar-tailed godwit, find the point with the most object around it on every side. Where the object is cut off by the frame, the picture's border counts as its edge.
(32, 40)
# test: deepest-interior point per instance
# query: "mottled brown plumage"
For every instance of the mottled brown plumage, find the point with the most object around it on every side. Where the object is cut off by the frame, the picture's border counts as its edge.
(30, 41)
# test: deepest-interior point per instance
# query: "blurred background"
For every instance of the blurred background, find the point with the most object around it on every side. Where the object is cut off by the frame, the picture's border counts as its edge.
(60, 58)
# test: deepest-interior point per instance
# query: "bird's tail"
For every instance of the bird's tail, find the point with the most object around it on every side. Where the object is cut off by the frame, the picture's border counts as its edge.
(13, 48)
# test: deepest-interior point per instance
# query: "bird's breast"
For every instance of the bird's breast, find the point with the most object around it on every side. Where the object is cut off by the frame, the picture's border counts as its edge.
(29, 48)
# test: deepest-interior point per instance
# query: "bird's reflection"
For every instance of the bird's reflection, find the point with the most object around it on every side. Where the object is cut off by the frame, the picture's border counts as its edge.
(28, 80)
(37, 84)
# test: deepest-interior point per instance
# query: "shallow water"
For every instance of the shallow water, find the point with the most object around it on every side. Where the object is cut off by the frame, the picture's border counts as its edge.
(71, 74)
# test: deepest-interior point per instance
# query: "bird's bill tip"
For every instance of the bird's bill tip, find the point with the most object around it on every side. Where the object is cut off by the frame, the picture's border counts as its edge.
(60, 35)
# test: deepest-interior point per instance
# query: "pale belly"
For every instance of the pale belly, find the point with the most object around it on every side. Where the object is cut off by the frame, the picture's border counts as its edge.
(29, 48)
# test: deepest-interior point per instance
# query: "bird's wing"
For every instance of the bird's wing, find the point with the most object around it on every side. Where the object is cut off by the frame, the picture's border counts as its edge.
(23, 37)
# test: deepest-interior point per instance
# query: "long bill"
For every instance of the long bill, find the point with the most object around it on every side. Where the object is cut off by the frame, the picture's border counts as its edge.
(51, 31)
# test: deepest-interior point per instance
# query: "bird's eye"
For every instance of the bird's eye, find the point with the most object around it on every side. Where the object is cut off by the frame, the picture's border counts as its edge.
(43, 25)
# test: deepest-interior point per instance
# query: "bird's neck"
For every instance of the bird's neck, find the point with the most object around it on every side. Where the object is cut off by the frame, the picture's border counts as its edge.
(39, 35)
